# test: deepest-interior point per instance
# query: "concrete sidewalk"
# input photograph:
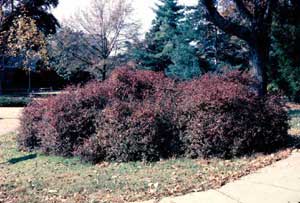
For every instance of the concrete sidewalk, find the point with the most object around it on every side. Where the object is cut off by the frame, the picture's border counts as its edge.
(9, 119)
(279, 183)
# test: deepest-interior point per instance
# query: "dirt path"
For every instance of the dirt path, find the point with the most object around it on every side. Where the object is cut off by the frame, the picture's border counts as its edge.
(9, 119)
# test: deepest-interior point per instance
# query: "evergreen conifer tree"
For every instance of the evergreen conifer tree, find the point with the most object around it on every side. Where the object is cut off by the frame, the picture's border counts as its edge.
(155, 54)
(284, 70)
(184, 55)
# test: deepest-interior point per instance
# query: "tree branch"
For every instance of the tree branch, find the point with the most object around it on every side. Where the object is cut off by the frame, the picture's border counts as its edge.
(224, 24)
(243, 9)
(270, 6)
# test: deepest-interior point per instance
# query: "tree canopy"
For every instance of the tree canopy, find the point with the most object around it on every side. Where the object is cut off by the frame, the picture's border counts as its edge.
(159, 41)
(38, 10)
(102, 32)
(253, 21)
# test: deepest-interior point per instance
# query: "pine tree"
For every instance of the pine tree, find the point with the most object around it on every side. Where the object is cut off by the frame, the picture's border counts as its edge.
(159, 43)
(284, 70)
(201, 47)
(184, 56)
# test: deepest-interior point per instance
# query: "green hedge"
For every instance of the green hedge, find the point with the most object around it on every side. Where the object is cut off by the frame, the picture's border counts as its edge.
(7, 101)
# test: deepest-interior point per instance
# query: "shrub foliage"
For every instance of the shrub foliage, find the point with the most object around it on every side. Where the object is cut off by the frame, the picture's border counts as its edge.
(130, 132)
(141, 115)
(59, 124)
(222, 117)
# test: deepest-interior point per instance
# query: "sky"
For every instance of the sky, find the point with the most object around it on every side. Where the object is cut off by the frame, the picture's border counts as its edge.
(143, 9)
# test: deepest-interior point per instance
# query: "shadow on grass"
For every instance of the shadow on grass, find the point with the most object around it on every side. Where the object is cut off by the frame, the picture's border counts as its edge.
(21, 159)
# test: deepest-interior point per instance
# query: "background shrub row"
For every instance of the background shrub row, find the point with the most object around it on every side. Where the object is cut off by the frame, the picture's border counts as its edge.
(10, 101)
(141, 115)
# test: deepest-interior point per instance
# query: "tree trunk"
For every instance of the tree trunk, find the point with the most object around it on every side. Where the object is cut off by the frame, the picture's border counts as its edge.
(12, 5)
(1, 79)
(104, 70)
(29, 81)
(259, 51)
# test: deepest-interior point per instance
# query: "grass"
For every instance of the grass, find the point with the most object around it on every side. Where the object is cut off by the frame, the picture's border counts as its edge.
(35, 178)
(295, 120)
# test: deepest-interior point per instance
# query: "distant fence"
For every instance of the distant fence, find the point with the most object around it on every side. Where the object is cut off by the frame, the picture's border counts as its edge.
(43, 94)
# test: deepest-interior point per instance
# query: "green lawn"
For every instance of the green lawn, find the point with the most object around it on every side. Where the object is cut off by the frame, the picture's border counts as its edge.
(295, 121)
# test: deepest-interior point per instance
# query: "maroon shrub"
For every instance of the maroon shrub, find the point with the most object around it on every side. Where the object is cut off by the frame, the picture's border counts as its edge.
(142, 115)
(91, 150)
(138, 123)
(30, 125)
(137, 104)
(221, 116)
(66, 121)
(132, 85)
(137, 131)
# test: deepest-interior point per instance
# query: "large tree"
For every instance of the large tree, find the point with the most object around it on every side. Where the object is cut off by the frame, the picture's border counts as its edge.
(155, 53)
(71, 58)
(28, 15)
(38, 10)
(254, 27)
(215, 49)
(185, 63)
(27, 44)
(106, 27)
(284, 69)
